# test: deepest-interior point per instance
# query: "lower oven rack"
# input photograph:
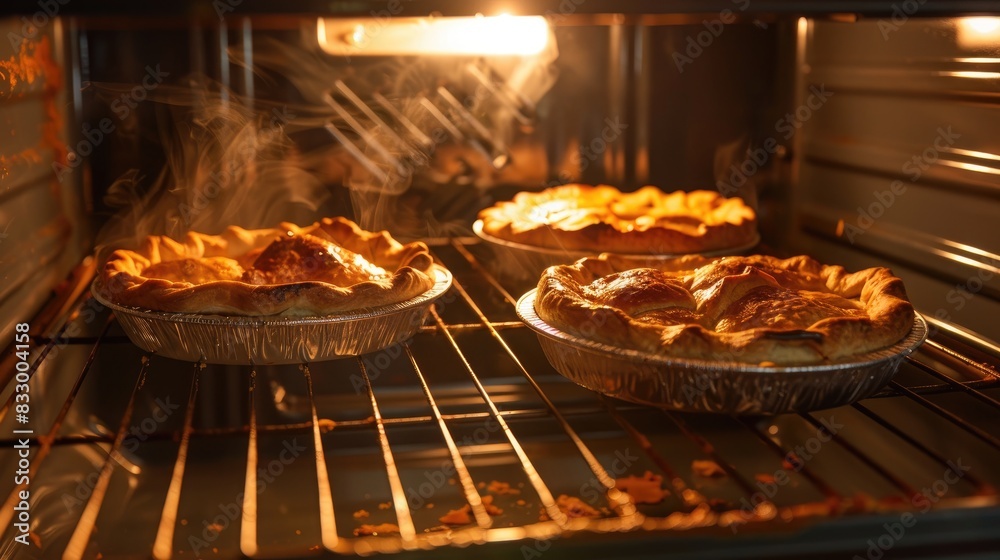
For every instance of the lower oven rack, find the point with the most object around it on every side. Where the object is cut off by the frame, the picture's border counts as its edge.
(138, 455)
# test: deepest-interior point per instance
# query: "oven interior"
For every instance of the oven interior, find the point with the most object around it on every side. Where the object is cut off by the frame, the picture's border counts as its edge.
(864, 138)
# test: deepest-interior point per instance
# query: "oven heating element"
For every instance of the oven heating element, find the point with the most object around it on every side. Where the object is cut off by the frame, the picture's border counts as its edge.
(141, 455)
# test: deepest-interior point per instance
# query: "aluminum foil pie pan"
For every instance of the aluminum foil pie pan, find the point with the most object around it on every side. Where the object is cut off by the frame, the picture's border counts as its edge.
(715, 386)
(531, 260)
(233, 339)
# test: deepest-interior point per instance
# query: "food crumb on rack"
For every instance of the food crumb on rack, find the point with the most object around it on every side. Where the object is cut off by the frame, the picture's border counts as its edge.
(361, 514)
(764, 478)
(481, 485)
(462, 516)
(385, 505)
(367, 530)
(325, 425)
(645, 489)
(574, 507)
(707, 469)
(490, 508)
(501, 488)
(792, 462)
(458, 516)
(521, 503)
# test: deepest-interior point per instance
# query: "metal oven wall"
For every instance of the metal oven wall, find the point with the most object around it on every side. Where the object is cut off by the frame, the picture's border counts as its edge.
(903, 156)
(43, 228)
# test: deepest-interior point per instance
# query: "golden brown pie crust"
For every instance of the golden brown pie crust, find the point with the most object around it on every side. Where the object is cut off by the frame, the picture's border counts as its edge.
(602, 218)
(754, 309)
(330, 267)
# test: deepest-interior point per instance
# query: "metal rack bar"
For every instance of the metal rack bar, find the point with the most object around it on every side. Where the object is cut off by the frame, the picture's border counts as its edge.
(33, 368)
(425, 141)
(324, 425)
(248, 525)
(864, 458)
(163, 543)
(979, 395)
(468, 485)
(820, 484)
(500, 93)
(709, 450)
(499, 325)
(407, 531)
(544, 494)
(948, 415)
(937, 389)
(495, 151)
(968, 337)
(364, 133)
(379, 123)
(475, 264)
(382, 176)
(327, 521)
(984, 488)
(77, 545)
(45, 443)
(689, 496)
(620, 502)
(986, 371)
(441, 118)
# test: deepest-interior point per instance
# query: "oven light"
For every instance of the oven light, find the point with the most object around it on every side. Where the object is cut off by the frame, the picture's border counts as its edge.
(973, 32)
(479, 35)
(981, 25)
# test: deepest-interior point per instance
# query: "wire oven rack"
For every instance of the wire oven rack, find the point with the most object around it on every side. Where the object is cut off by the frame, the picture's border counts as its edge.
(137, 456)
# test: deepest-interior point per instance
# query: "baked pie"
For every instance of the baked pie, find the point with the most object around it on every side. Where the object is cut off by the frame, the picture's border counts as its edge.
(602, 218)
(753, 309)
(330, 267)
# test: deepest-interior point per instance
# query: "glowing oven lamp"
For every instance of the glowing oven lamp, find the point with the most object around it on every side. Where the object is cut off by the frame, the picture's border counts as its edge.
(479, 35)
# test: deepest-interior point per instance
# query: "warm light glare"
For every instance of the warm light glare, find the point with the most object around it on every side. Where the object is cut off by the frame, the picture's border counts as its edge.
(981, 25)
(975, 32)
(974, 74)
(496, 35)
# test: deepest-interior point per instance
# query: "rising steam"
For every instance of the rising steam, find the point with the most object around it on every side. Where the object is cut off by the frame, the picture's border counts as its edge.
(234, 162)
(225, 165)
(454, 126)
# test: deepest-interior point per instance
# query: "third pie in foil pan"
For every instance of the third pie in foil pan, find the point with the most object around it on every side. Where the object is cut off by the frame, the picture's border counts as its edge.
(529, 261)
(716, 386)
(258, 340)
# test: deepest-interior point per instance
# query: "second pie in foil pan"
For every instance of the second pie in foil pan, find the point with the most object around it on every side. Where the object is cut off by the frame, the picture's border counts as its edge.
(238, 339)
(716, 386)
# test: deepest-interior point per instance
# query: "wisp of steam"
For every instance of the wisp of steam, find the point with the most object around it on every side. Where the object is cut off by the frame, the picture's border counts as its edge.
(226, 164)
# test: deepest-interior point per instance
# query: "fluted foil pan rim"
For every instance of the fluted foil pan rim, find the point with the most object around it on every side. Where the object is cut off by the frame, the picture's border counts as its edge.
(274, 340)
(654, 379)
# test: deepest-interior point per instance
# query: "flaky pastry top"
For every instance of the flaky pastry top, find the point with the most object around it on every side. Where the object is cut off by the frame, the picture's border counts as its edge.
(753, 309)
(329, 267)
(602, 218)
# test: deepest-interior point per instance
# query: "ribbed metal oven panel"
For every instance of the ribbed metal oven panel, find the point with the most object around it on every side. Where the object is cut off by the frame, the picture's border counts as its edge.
(899, 166)
(41, 225)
